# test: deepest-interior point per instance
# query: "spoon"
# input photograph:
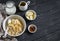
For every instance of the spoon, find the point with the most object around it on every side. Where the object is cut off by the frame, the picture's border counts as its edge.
(5, 35)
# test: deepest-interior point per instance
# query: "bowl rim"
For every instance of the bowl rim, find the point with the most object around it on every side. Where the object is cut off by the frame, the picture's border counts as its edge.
(32, 11)
(4, 23)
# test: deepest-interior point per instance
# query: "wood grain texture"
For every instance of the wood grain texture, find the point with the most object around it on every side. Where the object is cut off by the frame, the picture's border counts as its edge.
(47, 21)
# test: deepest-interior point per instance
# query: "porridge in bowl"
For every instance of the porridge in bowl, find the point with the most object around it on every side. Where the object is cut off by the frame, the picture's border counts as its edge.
(15, 26)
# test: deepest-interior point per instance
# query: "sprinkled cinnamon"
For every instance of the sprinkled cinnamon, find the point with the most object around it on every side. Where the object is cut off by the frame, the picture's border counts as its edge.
(32, 28)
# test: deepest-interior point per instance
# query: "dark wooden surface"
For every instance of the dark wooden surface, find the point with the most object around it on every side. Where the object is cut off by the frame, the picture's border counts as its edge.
(47, 21)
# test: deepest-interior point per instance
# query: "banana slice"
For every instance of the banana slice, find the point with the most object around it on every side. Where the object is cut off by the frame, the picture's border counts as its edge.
(13, 21)
(27, 17)
(31, 17)
(29, 13)
(9, 21)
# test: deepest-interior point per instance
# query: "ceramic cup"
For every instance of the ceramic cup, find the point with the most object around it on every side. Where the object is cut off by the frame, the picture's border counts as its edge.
(23, 5)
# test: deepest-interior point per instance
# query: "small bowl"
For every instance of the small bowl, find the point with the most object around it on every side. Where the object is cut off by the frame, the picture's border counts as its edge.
(32, 28)
(35, 15)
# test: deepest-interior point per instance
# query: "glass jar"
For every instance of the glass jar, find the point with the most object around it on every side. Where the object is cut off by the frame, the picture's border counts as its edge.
(10, 8)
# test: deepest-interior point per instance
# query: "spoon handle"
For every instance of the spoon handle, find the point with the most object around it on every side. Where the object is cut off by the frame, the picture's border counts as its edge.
(5, 35)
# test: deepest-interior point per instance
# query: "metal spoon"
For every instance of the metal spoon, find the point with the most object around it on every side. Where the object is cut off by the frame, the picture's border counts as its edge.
(5, 35)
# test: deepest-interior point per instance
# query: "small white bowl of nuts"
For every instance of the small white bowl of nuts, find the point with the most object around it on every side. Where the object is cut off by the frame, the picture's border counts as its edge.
(31, 15)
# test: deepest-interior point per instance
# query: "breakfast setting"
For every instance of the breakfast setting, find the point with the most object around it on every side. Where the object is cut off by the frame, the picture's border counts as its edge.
(13, 25)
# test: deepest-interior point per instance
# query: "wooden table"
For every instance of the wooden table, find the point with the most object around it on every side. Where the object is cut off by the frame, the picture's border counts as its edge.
(47, 21)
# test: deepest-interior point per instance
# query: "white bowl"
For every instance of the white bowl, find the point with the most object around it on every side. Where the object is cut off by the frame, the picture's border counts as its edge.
(34, 26)
(14, 16)
(35, 15)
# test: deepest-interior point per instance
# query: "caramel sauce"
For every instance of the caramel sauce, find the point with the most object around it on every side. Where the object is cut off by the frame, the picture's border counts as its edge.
(22, 4)
(32, 28)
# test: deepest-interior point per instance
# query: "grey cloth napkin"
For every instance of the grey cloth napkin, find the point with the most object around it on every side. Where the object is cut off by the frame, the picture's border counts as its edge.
(1, 40)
